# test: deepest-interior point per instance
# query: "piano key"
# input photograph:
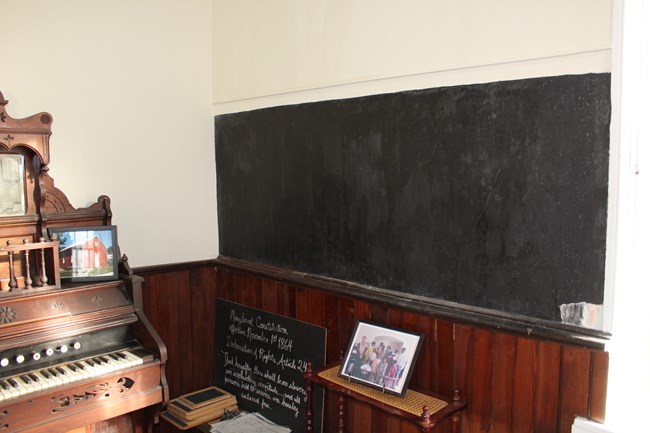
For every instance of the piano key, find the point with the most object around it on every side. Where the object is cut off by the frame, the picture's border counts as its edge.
(88, 369)
(72, 375)
(24, 380)
(18, 386)
(80, 371)
(112, 364)
(107, 362)
(91, 368)
(55, 377)
(8, 390)
(134, 359)
(102, 364)
(45, 383)
(63, 374)
(30, 384)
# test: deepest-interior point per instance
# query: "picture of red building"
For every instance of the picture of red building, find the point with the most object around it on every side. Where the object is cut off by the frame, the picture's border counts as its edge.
(87, 257)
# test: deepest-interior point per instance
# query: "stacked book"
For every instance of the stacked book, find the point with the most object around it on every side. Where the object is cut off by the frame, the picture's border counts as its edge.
(199, 407)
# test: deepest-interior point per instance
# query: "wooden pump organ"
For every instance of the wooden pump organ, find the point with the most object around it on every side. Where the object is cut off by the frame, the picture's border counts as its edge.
(72, 353)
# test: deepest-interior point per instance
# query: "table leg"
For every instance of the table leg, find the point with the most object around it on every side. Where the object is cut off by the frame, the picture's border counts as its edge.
(310, 412)
(455, 422)
(341, 414)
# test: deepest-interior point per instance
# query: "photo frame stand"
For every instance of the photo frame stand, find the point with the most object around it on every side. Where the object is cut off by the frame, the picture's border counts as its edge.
(422, 408)
(350, 382)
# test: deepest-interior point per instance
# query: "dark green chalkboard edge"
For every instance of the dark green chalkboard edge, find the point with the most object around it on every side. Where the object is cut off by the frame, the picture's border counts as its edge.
(468, 314)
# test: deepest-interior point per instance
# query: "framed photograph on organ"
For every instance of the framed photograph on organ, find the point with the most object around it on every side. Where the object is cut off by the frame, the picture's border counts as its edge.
(87, 253)
(381, 357)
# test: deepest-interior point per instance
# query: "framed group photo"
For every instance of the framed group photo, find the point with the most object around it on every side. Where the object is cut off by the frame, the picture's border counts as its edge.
(87, 253)
(381, 357)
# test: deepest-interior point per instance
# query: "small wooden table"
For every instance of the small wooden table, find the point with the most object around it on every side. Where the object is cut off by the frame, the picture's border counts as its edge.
(423, 408)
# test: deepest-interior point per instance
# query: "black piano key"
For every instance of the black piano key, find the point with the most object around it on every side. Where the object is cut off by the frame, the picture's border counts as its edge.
(121, 355)
(91, 362)
(34, 377)
(46, 374)
(62, 371)
(53, 372)
(4, 385)
(73, 367)
(12, 382)
(25, 379)
(81, 365)
(114, 356)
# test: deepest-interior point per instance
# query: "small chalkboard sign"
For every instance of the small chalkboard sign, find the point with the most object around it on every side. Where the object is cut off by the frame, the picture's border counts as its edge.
(261, 357)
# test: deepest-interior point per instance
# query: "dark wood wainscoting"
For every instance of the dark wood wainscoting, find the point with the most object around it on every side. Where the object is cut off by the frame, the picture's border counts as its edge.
(514, 382)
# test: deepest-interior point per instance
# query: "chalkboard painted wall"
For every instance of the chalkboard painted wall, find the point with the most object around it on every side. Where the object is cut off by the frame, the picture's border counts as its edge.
(491, 195)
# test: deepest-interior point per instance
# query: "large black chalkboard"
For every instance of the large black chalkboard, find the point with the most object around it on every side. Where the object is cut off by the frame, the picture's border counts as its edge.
(260, 357)
(492, 195)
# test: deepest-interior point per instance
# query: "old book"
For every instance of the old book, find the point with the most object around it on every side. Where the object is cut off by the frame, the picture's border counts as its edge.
(182, 424)
(203, 397)
(179, 409)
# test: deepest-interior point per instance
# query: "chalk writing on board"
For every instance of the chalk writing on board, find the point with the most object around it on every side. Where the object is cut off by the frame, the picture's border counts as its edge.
(261, 359)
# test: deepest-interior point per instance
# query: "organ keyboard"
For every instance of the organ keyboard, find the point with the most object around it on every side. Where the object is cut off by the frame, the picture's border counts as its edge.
(47, 377)
(71, 353)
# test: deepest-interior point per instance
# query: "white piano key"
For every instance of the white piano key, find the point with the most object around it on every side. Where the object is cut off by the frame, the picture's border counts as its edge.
(4, 394)
(45, 383)
(135, 360)
(92, 368)
(84, 370)
(10, 390)
(55, 377)
(101, 367)
(73, 376)
(18, 386)
(114, 365)
(48, 378)
(79, 373)
(28, 383)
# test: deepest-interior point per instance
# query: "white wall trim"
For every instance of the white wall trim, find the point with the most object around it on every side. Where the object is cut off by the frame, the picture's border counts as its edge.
(627, 255)
(614, 164)
(595, 61)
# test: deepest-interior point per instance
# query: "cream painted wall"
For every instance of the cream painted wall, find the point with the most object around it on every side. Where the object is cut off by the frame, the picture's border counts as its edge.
(130, 83)
(129, 86)
(292, 51)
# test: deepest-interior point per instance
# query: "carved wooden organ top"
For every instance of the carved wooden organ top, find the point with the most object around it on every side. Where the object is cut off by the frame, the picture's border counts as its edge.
(73, 353)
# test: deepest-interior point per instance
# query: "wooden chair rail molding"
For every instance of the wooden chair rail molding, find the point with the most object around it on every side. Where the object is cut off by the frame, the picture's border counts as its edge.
(513, 382)
(440, 308)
